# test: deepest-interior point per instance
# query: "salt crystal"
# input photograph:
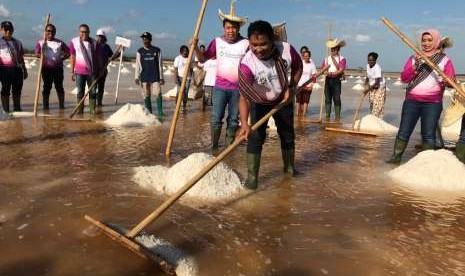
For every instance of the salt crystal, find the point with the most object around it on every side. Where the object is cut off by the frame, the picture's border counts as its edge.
(132, 115)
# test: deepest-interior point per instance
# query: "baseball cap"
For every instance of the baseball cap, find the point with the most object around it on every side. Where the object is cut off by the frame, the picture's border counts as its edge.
(146, 34)
(100, 32)
(6, 25)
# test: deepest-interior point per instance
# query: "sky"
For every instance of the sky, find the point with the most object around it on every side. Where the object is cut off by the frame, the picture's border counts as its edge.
(172, 23)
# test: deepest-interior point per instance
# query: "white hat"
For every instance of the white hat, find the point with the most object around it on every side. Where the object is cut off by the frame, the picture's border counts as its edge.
(232, 16)
(101, 32)
(332, 43)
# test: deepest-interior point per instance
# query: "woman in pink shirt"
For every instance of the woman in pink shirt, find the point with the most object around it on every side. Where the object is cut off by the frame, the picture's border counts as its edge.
(424, 93)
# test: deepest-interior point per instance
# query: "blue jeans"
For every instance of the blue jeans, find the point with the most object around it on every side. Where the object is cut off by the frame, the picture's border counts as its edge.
(81, 81)
(221, 98)
(429, 114)
(462, 132)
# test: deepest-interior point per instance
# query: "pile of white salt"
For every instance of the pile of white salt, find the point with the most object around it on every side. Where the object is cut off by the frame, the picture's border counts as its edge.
(371, 123)
(220, 183)
(132, 115)
(431, 170)
(358, 87)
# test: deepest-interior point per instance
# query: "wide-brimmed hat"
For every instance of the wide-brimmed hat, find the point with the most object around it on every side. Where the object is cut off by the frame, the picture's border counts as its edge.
(332, 43)
(232, 16)
(446, 42)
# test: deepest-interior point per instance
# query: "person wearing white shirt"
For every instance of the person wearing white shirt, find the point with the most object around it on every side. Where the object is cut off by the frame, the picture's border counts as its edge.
(308, 73)
(375, 85)
(179, 64)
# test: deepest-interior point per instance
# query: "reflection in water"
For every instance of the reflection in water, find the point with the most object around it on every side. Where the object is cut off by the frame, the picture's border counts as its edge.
(342, 216)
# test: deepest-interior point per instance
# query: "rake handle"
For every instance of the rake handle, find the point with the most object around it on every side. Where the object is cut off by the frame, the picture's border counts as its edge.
(357, 111)
(41, 64)
(428, 61)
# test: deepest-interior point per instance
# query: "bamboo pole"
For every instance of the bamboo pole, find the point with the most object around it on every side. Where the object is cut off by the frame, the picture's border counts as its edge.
(357, 111)
(322, 99)
(428, 61)
(173, 198)
(41, 63)
(94, 83)
(184, 78)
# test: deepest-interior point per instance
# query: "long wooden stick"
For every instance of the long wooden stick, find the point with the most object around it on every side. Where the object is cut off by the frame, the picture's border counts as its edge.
(322, 99)
(119, 74)
(428, 61)
(41, 63)
(184, 78)
(160, 210)
(357, 111)
(94, 83)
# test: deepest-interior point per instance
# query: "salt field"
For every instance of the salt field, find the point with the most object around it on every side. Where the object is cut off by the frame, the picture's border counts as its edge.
(344, 215)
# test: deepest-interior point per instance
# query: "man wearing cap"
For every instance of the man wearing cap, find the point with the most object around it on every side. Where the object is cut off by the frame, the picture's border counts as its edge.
(12, 68)
(149, 73)
(337, 65)
(228, 50)
(105, 53)
(55, 51)
(85, 64)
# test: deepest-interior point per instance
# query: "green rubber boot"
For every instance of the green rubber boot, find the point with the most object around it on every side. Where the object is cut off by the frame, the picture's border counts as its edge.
(288, 161)
(148, 104)
(160, 113)
(426, 146)
(328, 111)
(460, 152)
(216, 133)
(399, 148)
(253, 165)
(337, 111)
(80, 110)
(92, 107)
(230, 135)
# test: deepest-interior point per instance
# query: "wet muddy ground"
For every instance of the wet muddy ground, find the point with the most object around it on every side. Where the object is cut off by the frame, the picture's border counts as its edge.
(341, 216)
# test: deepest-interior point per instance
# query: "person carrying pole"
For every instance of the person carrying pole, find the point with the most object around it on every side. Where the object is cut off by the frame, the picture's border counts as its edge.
(85, 65)
(12, 67)
(375, 85)
(149, 73)
(262, 85)
(228, 50)
(55, 52)
(424, 94)
(105, 52)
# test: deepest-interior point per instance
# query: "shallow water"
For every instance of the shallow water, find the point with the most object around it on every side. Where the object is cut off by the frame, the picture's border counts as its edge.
(341, 216)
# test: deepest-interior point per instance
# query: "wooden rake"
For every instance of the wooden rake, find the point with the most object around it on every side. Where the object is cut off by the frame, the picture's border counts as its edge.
(127, 239)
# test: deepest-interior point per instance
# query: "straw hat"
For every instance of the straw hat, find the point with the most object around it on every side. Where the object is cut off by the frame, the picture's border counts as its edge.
(332, 43)
(232, 16)
(279, 30)
(446, 42)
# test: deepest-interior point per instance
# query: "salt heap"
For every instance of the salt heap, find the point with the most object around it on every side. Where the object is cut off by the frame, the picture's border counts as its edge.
(358, 77)
(388, 78)
(132, 115)
(184, 264)
(125, 71)
(171, 93)
(431, 170)
(168, 72)
(358, 87)
(371, 123)
(360, 81)
(351, 77)
(220, 183)
(133, 65)
(397, 83)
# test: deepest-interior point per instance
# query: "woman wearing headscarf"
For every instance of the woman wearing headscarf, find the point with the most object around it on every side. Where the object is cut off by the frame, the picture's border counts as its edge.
(424, 93)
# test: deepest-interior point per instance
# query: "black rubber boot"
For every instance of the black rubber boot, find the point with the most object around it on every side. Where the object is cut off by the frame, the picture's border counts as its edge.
(16, 102)
(45, 101)
(6, 103)
(230, 135)
(92, 107)
(399, 148)
(81, 108)
(100, 98)
(460, 152)
(61, 100)
(253, 165)
(328, 111)
(288, 161)
(216, 133)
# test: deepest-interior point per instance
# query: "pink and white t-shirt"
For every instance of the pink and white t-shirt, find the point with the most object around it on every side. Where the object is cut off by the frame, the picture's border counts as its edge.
(228, 56)
(308, 71)
(263, 74)
(6, 57)
(53, 52)
(81, 67)
(332, 67)
(430, 89)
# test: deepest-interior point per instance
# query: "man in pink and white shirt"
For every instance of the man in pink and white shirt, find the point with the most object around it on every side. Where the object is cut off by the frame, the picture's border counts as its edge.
(263, 84)
(55, 52)
(85, 63)
(12, 67)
